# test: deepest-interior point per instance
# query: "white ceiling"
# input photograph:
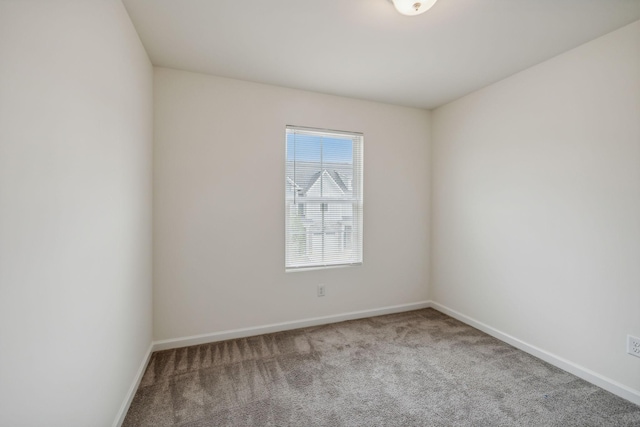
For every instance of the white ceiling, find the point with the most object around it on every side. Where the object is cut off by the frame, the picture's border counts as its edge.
(364, 48)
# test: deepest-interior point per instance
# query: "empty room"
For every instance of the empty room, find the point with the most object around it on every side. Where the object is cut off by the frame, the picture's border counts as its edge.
(319, 213)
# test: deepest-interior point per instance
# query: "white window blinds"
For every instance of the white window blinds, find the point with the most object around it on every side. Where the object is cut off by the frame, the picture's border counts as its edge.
(323, 198)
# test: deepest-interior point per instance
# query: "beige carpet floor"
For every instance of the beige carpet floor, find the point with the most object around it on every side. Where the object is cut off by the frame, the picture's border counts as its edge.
(419, 368)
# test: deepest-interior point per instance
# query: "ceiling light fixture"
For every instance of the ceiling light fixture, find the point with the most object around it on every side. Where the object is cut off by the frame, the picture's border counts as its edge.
(413, 7)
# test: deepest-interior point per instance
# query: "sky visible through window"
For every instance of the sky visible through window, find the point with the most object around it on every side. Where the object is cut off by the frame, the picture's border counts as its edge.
(313, 148)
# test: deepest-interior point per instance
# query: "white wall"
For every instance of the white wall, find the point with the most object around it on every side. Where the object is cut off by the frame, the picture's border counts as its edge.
(536, 205)
(219, 205)
(75, 211)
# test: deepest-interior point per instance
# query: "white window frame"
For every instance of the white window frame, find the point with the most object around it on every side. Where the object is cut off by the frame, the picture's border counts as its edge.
(356, 199)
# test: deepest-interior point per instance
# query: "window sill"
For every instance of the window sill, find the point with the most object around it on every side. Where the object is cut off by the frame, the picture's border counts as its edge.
(320, 267)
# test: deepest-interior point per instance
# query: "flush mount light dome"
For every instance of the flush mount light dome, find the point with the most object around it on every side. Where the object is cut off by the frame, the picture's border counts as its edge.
(413, 7)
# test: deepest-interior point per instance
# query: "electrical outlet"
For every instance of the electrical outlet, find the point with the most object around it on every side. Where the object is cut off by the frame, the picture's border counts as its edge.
(633, 346)
(321, 292)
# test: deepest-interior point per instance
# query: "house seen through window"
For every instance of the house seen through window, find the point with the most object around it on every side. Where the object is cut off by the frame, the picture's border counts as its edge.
(323, 197)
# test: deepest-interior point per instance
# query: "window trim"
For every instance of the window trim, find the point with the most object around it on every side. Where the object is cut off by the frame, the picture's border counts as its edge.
(358, 194)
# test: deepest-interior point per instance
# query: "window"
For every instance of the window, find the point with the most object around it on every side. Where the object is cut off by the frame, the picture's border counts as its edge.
(323, 198)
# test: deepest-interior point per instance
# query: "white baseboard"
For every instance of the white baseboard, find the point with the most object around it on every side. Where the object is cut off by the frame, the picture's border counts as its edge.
(564, 364)
(284, 326)
(132, 390)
